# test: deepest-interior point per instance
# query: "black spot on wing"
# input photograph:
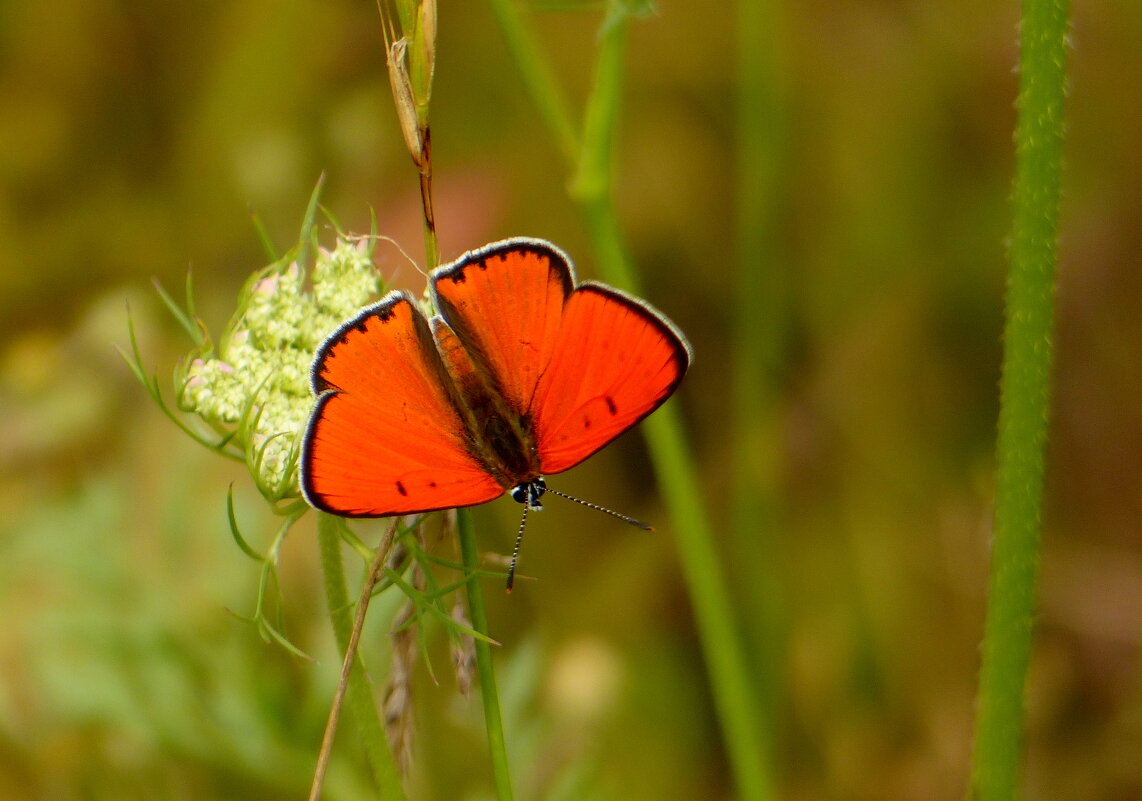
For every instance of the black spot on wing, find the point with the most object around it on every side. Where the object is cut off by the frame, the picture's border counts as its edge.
(401, 489)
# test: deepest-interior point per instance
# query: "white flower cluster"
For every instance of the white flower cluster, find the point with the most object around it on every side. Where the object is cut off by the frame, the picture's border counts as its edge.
(258, 381)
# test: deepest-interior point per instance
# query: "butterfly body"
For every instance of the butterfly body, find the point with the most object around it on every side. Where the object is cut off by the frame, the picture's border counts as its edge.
(524, 373)
(502, 438)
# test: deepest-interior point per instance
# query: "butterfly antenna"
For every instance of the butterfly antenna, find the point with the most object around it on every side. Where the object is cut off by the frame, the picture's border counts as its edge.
(597, 508)
(515, 550)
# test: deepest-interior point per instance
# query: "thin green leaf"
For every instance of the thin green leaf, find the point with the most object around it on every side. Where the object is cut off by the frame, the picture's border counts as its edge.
(308, 221)
(190, 299)
(294, 507)
(353, 541)
(188, 322)
(333, 221)
(264, 237)
(283, 641)
(151, 384)
(236, 532)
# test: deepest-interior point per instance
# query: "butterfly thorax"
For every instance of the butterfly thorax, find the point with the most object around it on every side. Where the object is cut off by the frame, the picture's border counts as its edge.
(500, 437)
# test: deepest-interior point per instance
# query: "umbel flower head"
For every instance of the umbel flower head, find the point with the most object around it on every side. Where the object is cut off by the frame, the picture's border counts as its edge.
(254, 388)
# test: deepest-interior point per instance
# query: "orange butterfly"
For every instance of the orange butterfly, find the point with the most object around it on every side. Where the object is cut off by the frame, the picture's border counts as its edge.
(525, 373)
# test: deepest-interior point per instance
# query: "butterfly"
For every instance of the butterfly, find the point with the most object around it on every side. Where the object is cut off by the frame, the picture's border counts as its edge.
(524, 372)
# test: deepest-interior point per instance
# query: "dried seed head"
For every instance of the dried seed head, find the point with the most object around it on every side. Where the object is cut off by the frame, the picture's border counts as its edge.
(399, 721)
(463, 650)
(405, 104)
(410, 36)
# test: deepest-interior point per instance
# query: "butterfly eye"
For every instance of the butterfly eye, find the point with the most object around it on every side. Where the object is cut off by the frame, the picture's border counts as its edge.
(529, 493)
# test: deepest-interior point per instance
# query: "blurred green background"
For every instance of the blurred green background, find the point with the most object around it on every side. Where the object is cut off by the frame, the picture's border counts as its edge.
(136, 139)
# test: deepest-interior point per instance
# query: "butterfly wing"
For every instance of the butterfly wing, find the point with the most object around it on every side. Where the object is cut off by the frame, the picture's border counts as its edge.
(385, 436)
(616, 361)
(583, 364)
(505, 303)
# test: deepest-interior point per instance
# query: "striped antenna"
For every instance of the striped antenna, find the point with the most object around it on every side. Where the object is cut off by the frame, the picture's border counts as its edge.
(529, 493)
(597, 508)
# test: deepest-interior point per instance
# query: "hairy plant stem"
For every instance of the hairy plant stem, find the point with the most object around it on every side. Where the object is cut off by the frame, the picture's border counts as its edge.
(1024, 401)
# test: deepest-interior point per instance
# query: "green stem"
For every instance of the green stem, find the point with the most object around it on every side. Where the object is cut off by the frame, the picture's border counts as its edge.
(1024, 402)
(591, 183)
(431, 249)
(359, 696)
(492, 718)
(537, 75)
(593, 176)
(735, 695)
(761, 320)
(739, 711)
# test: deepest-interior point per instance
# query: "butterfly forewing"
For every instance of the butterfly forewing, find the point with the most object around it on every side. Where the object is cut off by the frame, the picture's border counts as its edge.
(505, 304)
(386, 437)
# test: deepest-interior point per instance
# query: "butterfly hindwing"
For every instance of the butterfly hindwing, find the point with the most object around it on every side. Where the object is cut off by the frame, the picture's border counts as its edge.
(386, 437)
(617, 360)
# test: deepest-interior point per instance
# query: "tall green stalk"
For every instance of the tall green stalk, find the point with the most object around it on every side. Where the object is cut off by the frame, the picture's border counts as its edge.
(1024, 403)
(761, 322)
(735, 694)
(738, 708)
(493, 720)
(359, 695)
(544, 89)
